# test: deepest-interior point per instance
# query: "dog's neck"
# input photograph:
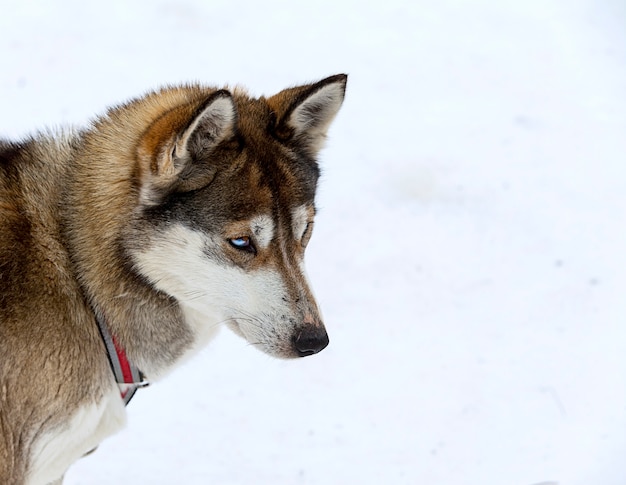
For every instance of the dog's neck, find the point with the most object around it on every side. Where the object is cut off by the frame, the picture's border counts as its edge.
(148, 324)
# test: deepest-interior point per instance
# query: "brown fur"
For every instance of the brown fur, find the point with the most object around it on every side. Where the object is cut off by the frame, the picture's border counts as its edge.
(70, 212)
(47, 334)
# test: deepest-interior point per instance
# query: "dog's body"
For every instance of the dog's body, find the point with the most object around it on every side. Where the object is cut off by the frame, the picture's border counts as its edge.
(174, 213)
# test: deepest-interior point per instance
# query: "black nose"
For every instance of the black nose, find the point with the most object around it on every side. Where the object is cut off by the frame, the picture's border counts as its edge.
(310, 340)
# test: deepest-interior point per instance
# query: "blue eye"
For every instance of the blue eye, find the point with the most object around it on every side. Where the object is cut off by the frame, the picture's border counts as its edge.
(244, 243)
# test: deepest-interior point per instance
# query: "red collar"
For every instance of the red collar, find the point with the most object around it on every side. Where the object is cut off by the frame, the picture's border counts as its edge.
(127, 376)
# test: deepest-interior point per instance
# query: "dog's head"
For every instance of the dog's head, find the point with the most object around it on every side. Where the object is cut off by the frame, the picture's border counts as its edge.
(226, 203)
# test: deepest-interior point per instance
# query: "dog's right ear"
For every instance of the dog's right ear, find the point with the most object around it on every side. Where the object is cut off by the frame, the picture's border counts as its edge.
(213, 122)
(175, 152)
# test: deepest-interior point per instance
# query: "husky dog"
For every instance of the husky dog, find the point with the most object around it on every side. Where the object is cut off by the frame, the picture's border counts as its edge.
(125, 246)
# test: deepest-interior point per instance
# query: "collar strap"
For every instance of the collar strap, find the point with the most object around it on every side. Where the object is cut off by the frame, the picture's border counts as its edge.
(127, 376)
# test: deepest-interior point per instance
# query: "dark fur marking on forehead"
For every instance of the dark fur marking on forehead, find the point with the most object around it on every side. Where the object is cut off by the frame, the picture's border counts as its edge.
(285, 167)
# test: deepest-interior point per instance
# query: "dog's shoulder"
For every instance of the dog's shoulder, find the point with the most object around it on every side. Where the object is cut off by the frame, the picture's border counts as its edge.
(15, 226)
(40, 299)
(30, 187)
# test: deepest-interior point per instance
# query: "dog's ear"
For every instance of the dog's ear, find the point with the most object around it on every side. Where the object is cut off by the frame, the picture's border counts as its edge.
(176, 151)
(303, 114)
(213, 122)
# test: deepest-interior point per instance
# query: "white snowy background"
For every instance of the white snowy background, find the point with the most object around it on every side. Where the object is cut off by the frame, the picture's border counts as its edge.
(468, 254)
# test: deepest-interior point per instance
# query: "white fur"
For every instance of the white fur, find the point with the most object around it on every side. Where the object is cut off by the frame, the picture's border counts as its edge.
(54, 452)
(263, 229)
(299, 221)
(212, 292)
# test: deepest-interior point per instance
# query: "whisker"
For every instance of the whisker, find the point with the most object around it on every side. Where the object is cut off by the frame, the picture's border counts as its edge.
(194, 295)
(248, 317)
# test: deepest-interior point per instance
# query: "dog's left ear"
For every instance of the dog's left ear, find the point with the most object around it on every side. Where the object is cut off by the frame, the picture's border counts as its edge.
(304, 113)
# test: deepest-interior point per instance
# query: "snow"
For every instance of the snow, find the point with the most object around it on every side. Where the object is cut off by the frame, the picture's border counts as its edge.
(468, 255)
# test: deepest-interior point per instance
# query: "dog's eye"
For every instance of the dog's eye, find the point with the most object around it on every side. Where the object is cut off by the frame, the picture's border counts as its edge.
(243, 243)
